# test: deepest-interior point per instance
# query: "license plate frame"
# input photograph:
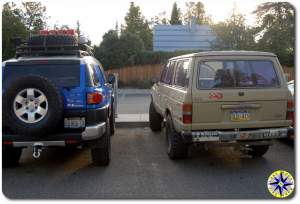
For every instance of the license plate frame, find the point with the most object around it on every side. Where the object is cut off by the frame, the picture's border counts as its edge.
(74, 123)
(240, 116)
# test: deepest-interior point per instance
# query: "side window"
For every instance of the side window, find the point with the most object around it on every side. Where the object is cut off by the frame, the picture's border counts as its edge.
(170, 74)
(163, 72)
(100, 74)
(93, 75)
(182, 74)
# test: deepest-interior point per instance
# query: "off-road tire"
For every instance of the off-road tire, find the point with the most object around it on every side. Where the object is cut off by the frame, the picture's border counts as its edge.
(112, 121)
(55, 106)
(258, 151)
(11, 156)
(101, 151)
(155, 119)
(177, 148)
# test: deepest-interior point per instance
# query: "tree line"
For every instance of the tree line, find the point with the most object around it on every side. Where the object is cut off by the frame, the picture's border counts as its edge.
(131, 43)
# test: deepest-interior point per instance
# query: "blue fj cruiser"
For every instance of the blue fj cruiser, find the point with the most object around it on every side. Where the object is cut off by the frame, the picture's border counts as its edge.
(55, 93)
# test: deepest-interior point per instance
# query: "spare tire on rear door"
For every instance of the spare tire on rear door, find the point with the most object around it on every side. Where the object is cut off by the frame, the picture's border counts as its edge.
(32, 105)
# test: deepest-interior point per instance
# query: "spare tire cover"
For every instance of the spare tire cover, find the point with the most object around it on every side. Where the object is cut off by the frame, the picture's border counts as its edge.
(32, 105)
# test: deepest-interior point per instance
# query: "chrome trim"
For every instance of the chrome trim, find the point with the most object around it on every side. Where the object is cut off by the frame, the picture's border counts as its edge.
(94, 132)
(43, 143)
(258, 134)
(242, 106)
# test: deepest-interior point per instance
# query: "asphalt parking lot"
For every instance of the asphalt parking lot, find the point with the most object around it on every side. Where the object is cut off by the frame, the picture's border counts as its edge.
(140, 168)
(133, 101)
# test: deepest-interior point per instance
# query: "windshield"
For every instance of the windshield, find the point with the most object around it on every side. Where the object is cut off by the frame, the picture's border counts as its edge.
(236, 74)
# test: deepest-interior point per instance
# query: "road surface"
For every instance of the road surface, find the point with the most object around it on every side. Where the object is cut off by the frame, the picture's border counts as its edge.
(140, 168)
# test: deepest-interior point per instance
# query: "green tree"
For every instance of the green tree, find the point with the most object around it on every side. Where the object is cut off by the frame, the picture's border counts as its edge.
(12, 27)
(175, 15)
(33, 15)
(233, 34)
(160, 19)
(276, 29)
(196, 11)
(118, 51)
(136, 24)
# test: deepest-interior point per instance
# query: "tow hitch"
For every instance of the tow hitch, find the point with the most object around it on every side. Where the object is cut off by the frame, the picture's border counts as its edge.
(37, 149)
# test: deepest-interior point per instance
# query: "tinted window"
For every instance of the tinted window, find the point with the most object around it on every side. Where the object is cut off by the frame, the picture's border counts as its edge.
(236, 74)
(63, 75)
(170, 73)
(182, 74)
(163, 72)
(99, 74)
(93, 75)
(102, 73)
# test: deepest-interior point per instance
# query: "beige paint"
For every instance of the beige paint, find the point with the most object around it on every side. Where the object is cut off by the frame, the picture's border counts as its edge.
(267, 106)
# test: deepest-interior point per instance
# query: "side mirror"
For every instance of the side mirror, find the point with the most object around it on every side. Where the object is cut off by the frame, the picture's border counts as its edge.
(111, 78)
(154, 80)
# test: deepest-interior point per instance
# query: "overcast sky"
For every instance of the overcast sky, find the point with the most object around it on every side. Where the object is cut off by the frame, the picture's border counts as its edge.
(97, 17)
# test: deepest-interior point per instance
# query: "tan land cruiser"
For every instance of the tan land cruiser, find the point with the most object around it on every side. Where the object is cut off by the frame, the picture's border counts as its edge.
(232, 97)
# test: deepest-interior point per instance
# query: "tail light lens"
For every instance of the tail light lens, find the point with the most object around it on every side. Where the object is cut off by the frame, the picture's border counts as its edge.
(187, 113)
(94, 98)
(290, 105)
(7, 142)
(290, 111)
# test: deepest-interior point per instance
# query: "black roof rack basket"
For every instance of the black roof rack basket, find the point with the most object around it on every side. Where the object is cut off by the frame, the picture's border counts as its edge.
(44, 49)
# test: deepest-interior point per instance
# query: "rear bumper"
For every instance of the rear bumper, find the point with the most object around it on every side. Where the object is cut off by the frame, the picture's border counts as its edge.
(237, 135)
(94, 132)
(62, 139)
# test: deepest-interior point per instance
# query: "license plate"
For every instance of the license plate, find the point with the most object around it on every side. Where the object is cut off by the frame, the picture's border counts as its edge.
(74, 122)
(239, 116)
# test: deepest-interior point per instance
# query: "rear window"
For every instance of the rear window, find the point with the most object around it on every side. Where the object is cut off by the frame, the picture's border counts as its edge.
(236, 74)
(63, 75)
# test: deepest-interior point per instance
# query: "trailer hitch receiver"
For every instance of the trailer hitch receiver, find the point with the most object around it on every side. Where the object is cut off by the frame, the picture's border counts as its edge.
(37, 149)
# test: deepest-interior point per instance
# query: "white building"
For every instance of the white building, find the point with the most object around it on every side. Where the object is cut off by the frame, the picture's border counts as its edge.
(183, 37)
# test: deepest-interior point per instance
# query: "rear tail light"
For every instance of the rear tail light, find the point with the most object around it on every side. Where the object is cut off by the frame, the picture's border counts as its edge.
(7, 142)
(187, 113)
(94, 98)
(290, 116)
(290, 105)
(290, 111)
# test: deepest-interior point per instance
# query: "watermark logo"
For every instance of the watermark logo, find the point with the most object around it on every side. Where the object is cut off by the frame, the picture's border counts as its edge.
(281, 184)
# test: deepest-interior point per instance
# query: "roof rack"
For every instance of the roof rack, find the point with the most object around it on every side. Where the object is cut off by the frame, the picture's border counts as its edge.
(53, 42)
(80, 50)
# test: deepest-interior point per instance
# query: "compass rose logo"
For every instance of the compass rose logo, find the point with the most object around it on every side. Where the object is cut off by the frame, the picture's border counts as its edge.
(281, 184)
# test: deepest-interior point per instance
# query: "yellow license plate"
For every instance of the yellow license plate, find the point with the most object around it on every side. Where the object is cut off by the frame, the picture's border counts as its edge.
(239, 116)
